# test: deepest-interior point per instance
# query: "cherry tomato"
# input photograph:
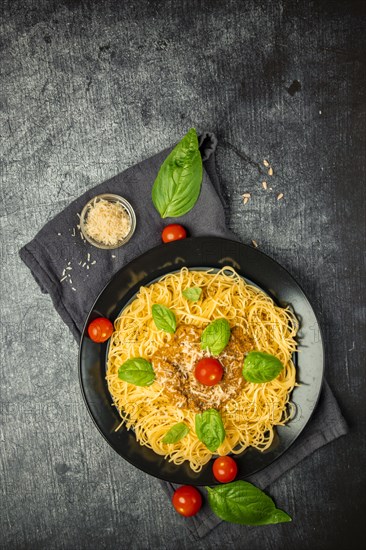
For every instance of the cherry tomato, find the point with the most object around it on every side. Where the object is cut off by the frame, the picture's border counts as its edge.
(225, 469)
(173, 232)
(187, 500)
(100, 330)
(208, 371)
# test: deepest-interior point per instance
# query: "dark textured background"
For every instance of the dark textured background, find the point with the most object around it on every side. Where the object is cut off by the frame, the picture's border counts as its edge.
(89, 88)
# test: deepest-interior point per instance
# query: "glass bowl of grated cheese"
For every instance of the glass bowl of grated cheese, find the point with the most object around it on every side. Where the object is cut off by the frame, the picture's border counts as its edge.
(107, 221)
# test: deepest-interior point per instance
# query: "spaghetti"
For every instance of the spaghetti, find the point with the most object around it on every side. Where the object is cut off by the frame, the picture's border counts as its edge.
(251, 416)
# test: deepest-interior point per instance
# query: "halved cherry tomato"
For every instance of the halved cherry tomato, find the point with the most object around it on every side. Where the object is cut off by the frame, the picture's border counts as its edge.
(173, 232)
(187, 500)
(100, 330)
(225, 469)
(208, 371)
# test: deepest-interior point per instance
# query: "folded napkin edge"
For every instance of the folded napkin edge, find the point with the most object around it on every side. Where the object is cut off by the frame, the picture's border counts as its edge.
(47, 286)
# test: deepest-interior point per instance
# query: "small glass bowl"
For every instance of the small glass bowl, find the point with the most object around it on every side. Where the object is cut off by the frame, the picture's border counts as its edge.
(115, 199)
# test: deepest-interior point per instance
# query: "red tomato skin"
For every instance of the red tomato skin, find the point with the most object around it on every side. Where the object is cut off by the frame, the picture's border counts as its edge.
(187, 501)
(173, 232)
(208, 371)
(100, 330)
(225, 469)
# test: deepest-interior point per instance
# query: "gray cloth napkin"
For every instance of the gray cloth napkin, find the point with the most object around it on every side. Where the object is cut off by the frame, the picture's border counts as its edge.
(58, 251)
(73, 273)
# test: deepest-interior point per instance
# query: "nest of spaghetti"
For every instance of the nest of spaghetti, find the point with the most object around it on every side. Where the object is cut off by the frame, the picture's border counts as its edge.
(249, 411)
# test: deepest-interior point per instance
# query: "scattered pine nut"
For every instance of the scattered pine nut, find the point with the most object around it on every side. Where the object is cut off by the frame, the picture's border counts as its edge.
(255, 244)
(280, 196)
(264, 184)
(266, 163)
(270, 171)
(246, 199)
(246, 196)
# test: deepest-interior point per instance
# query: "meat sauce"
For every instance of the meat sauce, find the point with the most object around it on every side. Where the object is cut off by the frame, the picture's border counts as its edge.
(174, 366)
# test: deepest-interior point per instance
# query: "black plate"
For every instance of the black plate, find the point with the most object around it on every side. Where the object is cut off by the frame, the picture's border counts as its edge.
(206, 252)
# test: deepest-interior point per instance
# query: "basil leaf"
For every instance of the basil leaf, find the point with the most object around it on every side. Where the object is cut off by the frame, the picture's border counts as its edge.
(216, 336)
(210, 429)
(178, 183)
(137, 371)
(260, 367)
(176, 433)
(192, 294)
(241, 502)
(164, 318)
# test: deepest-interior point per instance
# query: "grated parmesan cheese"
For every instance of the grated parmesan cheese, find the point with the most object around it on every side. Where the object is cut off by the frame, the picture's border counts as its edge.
(107, 222)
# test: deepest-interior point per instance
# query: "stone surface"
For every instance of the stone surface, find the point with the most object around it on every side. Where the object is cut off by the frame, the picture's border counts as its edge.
(89, 88)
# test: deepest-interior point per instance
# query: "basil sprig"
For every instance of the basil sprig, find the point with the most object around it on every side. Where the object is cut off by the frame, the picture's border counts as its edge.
(241, 502)
(210, 429)
(216, 336)
(192, 294)
(260, 367)
(164, 318)
(178, 183)
(176, 433)
(137, 371)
